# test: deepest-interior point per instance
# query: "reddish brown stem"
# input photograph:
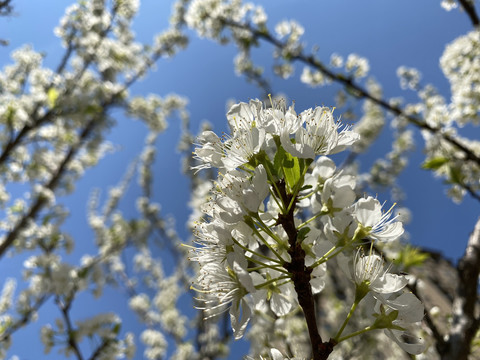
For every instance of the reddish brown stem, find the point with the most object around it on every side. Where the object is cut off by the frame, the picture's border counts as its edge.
(301, 280)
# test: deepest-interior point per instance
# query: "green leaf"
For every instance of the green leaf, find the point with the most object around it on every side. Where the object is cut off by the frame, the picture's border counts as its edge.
(16, 208)
(302, 234)
(306, 187)
(410, 256)
(385, 321)
(291, 170)
(116, 328)
(82, 274)
(52, 96)
(272, 171)
(278, 160)
(93, 109)
(456, 176)
(434, 163)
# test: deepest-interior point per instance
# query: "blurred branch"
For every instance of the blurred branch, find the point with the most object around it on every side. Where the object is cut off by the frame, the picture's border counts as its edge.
(260, 82)
(86, 132)
(98, 352)
(472, 192)
(52, 184)
(25, 319)
(65, 310)
(465, 318)
(36, 122)
(469, 8)
(6, 9)
(359, 91)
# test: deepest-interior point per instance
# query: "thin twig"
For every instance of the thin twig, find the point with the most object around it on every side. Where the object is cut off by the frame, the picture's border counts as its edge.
(25, 319)
(65, 310)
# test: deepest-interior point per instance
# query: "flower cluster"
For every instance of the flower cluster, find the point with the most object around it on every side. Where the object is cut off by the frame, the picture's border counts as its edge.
(461, 67)
(394, 309)
(279, 210)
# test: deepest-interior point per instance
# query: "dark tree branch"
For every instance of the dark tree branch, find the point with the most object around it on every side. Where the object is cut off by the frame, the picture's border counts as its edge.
(472, 192)
(98, 352)
(469, 8)
(6, 7)
(301, 279)
(65, 310)
(465, 318)
(52, 184)
(358, 90)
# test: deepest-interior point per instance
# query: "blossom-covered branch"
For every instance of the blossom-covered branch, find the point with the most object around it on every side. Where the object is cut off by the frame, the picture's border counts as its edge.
(357, 90)
(448, 153)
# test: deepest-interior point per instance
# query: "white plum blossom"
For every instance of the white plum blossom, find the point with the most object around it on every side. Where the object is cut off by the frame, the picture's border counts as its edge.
(140, 303)
(369, 270)
(244, 116)
(155, 342)
(313, 78)
(409, 77)
(242, 147)
(410, 311)
(226, 289)
(460, 64)
(449, 4)
(320, 135)
(248, 193)
(374, 223)
(357, 65)
(211, 150)
(337, 194)
(7, 295)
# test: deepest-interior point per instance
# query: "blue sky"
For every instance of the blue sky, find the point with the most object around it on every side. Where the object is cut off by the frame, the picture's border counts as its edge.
(390, 34)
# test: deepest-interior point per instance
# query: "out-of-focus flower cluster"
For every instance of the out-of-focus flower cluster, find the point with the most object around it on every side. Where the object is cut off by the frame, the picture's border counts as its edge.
(53, 125)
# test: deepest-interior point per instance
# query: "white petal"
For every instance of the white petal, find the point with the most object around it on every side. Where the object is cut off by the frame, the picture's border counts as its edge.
(299, 149)
(345, 138)
(410, 308)
(240, 314)
(324, 167)
(368, 211)
(244, 277)
(390, 233)
(276, 355)
(280, 304)
(389, 283)
(414, 345)
(317, 284)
